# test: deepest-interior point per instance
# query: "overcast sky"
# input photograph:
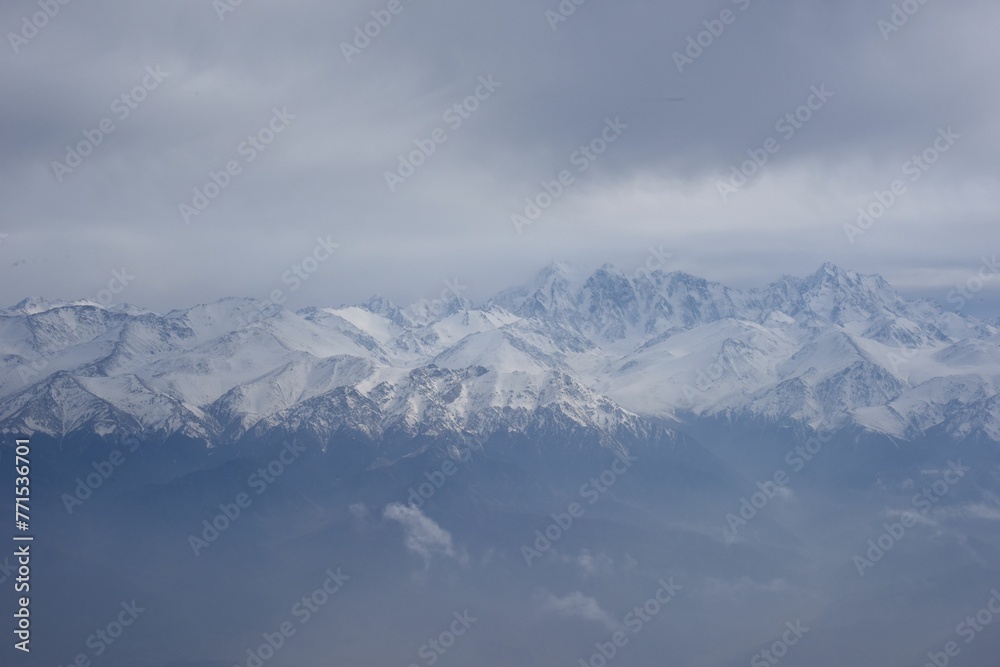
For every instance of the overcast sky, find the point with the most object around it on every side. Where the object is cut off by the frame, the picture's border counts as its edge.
(678, 125)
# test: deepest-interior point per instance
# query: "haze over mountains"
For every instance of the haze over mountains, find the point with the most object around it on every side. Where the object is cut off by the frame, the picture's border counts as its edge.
(749, 446)
(609, 354)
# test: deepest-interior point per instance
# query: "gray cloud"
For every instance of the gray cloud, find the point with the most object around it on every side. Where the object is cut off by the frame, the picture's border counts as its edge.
(658, 184)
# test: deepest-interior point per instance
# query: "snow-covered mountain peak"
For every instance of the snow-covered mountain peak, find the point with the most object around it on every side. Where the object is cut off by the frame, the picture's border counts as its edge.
(567, 350)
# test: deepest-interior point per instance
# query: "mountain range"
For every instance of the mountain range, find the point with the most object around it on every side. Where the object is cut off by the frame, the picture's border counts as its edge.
(607, 358)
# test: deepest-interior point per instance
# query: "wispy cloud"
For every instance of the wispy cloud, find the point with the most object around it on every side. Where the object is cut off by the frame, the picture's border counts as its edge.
(577, 605)
(424, 536)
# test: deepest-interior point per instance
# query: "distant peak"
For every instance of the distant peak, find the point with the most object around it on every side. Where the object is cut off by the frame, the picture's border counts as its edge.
(379, 305)
(32, 304)
(555, 269)
(829, 268)
(607, 275)
(608, 267)
(684, 277)
(562, 267)
(830, 273)
(35, 304)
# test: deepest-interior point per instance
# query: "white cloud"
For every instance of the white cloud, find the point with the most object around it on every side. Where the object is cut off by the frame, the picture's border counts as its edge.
(577, 605)
(592, 564)
(424, 537)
